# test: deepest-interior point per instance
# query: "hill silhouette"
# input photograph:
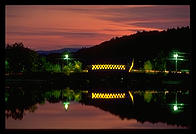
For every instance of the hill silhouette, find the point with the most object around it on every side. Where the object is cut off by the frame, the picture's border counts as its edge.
(141, 45)
(42, 52)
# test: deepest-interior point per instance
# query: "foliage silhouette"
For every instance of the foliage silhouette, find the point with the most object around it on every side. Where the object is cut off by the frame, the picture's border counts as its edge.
(142, 46)
(20, 58)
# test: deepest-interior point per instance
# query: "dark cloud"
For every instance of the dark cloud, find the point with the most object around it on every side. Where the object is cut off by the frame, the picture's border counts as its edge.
(121, 13)
(134, 14)
(58, 33)
(161, 24)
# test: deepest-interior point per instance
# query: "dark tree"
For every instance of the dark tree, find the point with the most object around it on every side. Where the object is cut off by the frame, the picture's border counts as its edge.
(20, 58)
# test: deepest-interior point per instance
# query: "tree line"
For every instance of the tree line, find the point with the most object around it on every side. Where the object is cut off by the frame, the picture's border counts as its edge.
(146, 47)
(19, 58)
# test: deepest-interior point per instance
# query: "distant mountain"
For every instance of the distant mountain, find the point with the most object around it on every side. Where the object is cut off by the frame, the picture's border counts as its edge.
(58, 51)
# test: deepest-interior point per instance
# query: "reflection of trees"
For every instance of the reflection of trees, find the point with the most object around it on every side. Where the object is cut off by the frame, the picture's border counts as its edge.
(19, 112)
(147, 96)
(22, 99)
(65, 95)
(148, 106)
(154, 110)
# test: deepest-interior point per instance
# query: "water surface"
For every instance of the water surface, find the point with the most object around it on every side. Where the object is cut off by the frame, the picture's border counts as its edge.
(37, 108)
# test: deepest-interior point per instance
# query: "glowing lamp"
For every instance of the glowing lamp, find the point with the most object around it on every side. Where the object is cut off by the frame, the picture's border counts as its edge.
(176, 55)
(175, 107)
(66, 105)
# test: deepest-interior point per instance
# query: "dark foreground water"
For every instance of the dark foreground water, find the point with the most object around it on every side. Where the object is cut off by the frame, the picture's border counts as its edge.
(41, 107)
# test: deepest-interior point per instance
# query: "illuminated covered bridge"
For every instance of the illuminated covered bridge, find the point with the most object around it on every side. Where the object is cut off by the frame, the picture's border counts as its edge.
(104, 67)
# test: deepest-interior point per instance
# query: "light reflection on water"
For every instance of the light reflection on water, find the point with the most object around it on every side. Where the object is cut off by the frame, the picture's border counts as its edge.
(76, 109)
(78, 116)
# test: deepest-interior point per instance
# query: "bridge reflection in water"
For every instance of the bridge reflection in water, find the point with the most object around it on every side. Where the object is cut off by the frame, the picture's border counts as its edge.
(166, 106)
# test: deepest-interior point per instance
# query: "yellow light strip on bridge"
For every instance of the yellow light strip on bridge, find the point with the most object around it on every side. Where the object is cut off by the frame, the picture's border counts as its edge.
(131, 65)
(108, 95)
(131, 96)
(108, 66)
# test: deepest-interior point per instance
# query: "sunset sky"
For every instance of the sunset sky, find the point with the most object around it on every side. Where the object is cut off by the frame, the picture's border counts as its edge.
(49, 27)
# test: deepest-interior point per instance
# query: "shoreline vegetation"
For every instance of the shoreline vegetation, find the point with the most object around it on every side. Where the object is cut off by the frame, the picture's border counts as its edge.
(103, 79)
(165, 50)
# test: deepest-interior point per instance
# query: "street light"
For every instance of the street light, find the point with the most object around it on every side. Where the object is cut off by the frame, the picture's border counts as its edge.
(66, 105)
(176, 58)
(177, 107)
(66, 57)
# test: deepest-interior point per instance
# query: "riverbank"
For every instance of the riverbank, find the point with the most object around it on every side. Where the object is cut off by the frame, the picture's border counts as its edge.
(103, 80)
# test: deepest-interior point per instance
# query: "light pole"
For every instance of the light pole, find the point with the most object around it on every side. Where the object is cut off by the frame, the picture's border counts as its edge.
(176, 58)
(177, 107)
(66, 105)
(66, 58)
